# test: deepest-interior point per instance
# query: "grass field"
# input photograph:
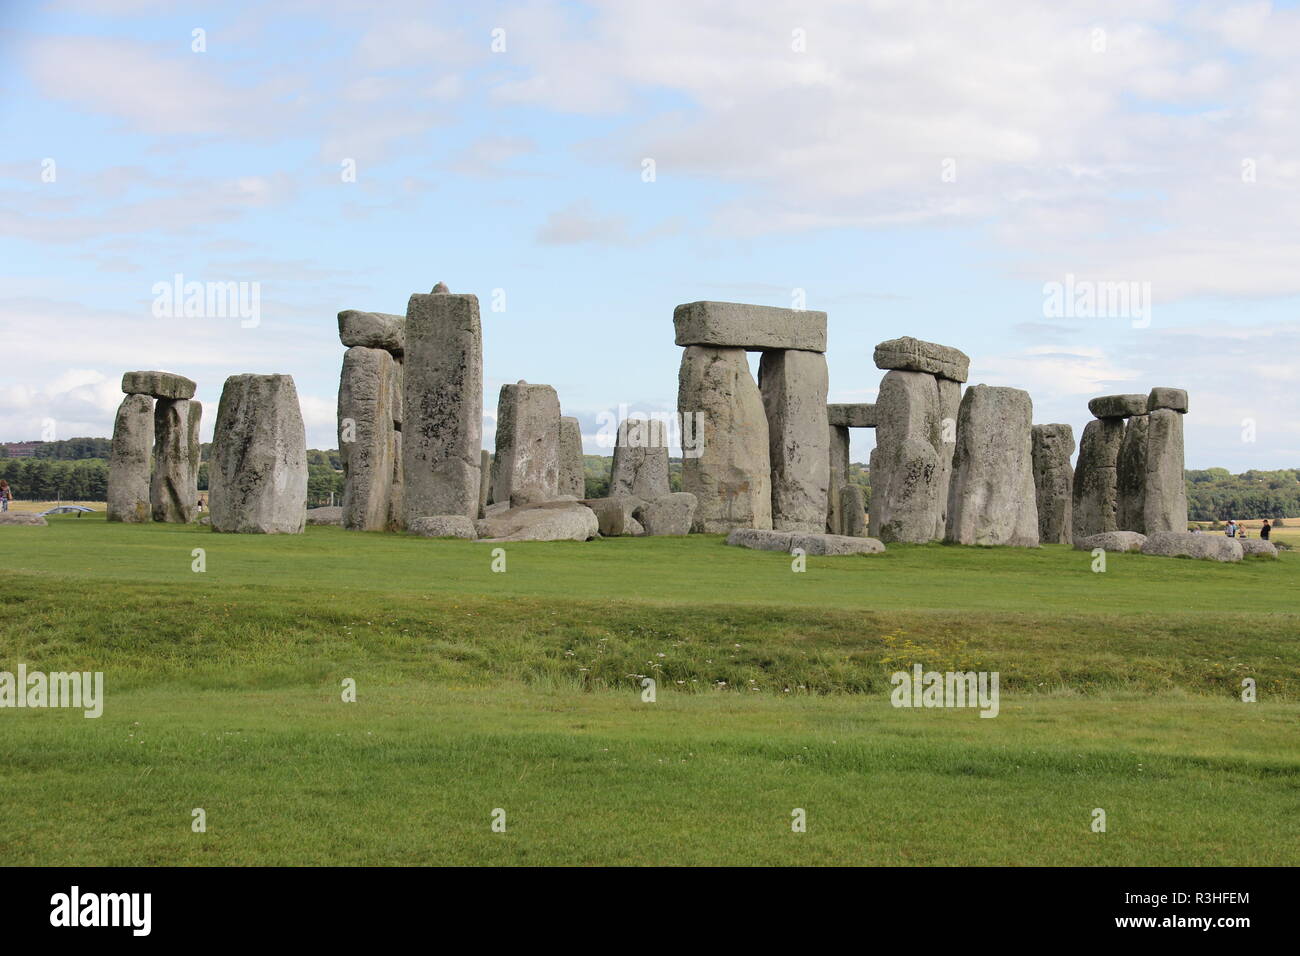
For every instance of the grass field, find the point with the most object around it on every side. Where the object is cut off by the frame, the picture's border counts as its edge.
(522, 691)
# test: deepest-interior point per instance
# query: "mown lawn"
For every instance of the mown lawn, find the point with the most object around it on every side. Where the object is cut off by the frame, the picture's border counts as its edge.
(522, 690)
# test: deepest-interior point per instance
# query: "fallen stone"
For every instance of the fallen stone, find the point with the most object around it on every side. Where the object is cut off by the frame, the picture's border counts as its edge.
(1131, 474)
(367, 441)
(128, 462)
(332, 514)
(1095, 494)
(1118, 406)
(834, 544)
(793, 385)
(158, 384)
(669, 514)
(731, 477)
(443, 526)
(857, 415)
(992, 500)
(257, 473)
(751, 327)
(1164, 494)
(853, 508)
(1257, 547)
(760, 539)
(442, 406)
(549, 521)
(528, 445)
(907, 354)
(1112, 541)
(373, 330)
(1174, 399)
(572, 480)
(615, 516)
(640, 466)
(14, 518)
(1053, 482)
(174, 489)
(1185, 544)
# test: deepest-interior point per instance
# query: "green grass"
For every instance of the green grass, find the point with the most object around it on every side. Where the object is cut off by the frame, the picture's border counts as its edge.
(522, 691)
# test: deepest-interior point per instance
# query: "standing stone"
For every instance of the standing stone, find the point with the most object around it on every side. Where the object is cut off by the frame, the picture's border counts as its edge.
(258, 469)
(1095, 479)
(945, 447)
(854, 510)
(1054, 482)
(1131, 475)
(794, 385)
(442, 406)
(573, 481)
(528, 445)
(128, 463)
(1164, 506)
(173, 492)
(731, 477)
(640, 467)
(905, 464)
(838, 476)
(991, 499)
(485, 482)
(367, 440)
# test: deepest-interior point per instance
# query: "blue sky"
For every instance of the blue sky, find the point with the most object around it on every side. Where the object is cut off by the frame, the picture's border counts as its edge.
(916, 169)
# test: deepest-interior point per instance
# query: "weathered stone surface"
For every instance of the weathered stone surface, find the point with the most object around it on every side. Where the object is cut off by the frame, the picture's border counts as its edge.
(128, 463)
(528, 445)
(550, 521)
(332, 514)
(1174, 399)
(373, 330)
(834, 544)
(905, 465)
(793, 385)
(614, 516)
(1053, 482)
(731, 478)
(158, 384)
(485, 483)
(174, 489)
(1094, 498)
(367, 442)
(1112, 541)
(1164, 497)
(258, 470)
(640, 459)
(853, 508)
(856, 415)
(14, 518)
(668, 514)
(907, 354)
(838, 476)
(443, 526)
(442, 407)
(992, 500)
(1131, 474)
(945, 447)
(760, 539)
(396, 401)
(752, 327)
(1257, 547)
(572, 480)
(1118, 406)
(1185, 544)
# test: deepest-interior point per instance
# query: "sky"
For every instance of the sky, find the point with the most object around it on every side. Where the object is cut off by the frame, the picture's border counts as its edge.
(987, 176)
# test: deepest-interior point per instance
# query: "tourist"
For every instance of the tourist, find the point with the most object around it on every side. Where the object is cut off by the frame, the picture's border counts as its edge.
(1265, 530)
(1231, 529)
(5, 495)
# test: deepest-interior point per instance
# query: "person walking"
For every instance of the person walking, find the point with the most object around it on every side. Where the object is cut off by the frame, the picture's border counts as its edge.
(1265, 530)
(1231, 529)
(6, 495)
